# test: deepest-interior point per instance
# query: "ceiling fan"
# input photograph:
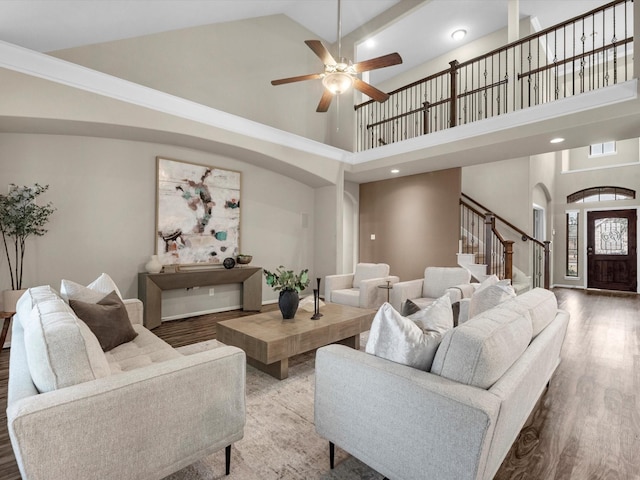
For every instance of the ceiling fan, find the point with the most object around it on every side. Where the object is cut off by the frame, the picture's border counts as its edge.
(339, 76)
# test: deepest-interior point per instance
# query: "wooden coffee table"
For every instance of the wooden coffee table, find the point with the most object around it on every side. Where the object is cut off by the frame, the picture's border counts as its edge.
(269, 341)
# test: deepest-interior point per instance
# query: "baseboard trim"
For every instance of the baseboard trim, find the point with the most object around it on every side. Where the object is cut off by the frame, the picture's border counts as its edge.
(182, 316)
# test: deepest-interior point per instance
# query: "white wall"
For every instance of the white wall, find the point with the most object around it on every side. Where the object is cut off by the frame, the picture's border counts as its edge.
(228, 66)
(509, 188)
(104, 194)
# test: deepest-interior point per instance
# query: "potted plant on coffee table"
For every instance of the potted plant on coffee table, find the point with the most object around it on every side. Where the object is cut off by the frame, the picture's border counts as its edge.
(289, 285)
(20, 218)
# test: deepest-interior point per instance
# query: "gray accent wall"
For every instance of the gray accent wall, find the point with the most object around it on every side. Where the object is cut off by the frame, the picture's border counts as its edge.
(415, 220)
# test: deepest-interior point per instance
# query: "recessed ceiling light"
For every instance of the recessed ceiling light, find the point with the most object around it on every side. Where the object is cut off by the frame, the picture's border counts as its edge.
(395, 170)
(556, 140)
(370, 43)
(459, 34)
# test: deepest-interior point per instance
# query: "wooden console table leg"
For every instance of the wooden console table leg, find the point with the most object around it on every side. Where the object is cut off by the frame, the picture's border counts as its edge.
(279, 369)
(252, 292)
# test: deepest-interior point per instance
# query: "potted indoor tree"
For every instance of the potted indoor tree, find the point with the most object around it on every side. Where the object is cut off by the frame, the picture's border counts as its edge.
(289, 285)
(20, 218)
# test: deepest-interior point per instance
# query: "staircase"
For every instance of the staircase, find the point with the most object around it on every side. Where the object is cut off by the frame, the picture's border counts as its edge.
(484, 250)
(474, 263)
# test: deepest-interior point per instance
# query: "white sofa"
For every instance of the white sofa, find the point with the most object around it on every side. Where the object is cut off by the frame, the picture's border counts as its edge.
(436, 282)
(458, 421)
(150, 412)
(360, 288)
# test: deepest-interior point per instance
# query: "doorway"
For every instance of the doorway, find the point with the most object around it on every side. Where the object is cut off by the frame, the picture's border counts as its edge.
(538, 223)
(611, 250)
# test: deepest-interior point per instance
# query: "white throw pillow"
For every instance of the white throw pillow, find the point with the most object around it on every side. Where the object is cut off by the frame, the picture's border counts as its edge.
(410, 341)
(32, 297)
(487, 282)
(490, 296)
(92, 293)
(61, 350)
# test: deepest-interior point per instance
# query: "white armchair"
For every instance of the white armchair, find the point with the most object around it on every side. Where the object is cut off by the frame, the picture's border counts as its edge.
(361, 288)
(436, 282)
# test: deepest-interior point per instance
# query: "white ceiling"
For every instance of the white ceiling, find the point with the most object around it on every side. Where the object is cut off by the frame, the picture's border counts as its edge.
(424, 33)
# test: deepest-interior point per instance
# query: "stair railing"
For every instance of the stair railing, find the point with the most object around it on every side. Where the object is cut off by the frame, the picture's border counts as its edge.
(479, 236)
(582, 54)
(499, 259)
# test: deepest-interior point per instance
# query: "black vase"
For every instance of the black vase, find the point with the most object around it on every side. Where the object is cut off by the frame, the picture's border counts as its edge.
(288, 303)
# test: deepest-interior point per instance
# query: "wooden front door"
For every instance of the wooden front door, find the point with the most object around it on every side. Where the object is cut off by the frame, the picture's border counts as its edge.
(611, 250)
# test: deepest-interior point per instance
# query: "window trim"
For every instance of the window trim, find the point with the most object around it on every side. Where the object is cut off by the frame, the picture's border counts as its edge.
(603, 154)
(577, 249)
(581, 195)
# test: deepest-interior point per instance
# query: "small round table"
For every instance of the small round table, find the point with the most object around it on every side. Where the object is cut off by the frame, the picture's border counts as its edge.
(387, 287)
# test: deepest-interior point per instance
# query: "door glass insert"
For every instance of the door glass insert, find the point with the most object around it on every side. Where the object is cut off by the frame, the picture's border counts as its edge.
(611, 236)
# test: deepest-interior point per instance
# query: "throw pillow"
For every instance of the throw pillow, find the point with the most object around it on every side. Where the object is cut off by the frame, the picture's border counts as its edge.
(92, 293)
(487, 282)
(61, 350)
(490, 296)
(411, 342)
(107, 319)
(436, 317)
(408, 308)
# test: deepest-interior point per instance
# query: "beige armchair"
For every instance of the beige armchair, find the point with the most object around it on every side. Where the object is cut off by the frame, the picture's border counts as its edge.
(361, 288)
(436, 282)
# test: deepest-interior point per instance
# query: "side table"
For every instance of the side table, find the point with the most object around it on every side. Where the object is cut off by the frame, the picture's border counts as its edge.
(6, 321)
(387, 287)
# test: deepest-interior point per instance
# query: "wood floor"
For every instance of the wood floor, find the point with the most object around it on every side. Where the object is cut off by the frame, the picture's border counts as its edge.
(587, 424)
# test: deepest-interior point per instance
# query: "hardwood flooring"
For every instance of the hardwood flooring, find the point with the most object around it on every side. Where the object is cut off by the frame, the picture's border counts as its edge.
(587, 424)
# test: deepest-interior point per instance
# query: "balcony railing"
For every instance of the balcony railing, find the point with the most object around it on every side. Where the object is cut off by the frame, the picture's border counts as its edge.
(582, 54)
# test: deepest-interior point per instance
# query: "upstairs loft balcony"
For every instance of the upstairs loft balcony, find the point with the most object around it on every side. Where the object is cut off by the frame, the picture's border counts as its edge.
(582, 54)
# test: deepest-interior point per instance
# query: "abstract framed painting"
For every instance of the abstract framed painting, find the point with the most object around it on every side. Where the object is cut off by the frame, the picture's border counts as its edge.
(197, 213)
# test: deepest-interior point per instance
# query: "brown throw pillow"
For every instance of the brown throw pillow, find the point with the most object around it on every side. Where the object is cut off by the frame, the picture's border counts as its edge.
(107, 319)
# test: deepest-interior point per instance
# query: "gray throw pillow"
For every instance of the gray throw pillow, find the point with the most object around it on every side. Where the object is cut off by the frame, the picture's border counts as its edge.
(412, 340)
(408, 308)
(107, 319)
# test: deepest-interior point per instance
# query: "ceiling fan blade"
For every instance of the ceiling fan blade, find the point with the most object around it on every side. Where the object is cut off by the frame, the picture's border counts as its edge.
(321, 51)
(311, 76)
(369, 90)
(325, 101)
(378, 62)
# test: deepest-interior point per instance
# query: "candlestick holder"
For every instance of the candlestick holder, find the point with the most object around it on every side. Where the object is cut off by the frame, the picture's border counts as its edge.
(316, 305)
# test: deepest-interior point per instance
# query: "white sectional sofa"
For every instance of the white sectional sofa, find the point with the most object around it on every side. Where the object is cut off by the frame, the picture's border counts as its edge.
(457, 421)
(141, 410)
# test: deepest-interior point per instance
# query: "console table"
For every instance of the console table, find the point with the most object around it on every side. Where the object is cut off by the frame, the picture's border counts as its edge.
(151, 285)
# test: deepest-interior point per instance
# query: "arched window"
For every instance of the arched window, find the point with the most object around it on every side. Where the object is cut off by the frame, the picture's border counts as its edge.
(601, 194)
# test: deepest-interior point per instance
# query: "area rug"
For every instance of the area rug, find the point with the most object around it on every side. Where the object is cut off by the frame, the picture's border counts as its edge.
(280, 441)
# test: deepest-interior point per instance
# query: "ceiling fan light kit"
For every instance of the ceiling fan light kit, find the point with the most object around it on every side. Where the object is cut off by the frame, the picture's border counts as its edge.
(338, 77)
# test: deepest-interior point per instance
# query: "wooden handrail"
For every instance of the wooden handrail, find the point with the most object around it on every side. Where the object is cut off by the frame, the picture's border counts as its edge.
(541, 33)
(470, 207)
(574, 58)
(499, 50)
(506, 222)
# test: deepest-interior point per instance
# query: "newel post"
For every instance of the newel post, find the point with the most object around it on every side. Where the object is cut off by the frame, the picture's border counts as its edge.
(489, 221)
(453, 77)
(547, 266)
(508, 259)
